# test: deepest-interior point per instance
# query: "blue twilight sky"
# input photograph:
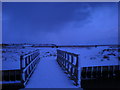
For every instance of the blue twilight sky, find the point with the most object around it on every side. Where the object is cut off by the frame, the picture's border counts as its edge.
(60, 23)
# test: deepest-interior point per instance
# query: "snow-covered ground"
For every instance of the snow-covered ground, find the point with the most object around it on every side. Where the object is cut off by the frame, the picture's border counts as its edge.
(48, 74)
(11, 57)
(47, 52)
(95, 56)
(89, 56)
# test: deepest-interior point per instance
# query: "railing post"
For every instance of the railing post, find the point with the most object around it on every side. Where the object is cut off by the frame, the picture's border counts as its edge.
(65, 61)
(77, 72)
(68, 63)
(71, 71)
(21, 67)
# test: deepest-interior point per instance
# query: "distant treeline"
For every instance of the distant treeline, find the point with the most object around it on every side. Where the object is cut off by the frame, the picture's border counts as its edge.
(4, 44)
(55, 46)
(78, 46)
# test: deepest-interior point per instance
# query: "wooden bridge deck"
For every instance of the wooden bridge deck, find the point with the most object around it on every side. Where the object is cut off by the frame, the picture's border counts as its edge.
(48, 74)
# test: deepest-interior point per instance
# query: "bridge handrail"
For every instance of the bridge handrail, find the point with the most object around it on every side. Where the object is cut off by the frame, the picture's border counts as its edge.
(70, 63)
(28, 63)
(11, 75)
(96, 72)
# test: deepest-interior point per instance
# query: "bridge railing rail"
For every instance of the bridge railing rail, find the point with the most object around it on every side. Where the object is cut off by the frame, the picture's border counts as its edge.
(28, 64)
(100, 76)
(100, 72)
(69, 63)
(21, 76)
(11, 75)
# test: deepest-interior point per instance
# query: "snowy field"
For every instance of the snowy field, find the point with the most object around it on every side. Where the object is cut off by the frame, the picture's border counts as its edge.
(95, 56)
(47, 52)
(11, 57)
(89, 56)
(48, 74)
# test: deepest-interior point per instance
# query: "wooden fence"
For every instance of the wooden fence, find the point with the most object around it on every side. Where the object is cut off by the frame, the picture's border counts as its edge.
(69, 62)
(11, 75)
(20, 77)
(88, 77)
(100, 76)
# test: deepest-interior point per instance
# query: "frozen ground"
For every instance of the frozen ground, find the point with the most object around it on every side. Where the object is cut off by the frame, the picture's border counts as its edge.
(90, 56)
(48, 74)
(46, 52)
(11, 57)
(95, 56)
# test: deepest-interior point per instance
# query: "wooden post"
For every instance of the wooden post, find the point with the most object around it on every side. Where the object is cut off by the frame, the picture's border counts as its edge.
(71, 70)
(21, 67)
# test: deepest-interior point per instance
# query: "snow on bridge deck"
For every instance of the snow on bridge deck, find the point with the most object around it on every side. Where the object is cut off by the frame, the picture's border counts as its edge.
(48, 74)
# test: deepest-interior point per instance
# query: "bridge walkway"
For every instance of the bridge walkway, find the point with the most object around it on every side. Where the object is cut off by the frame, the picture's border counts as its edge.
(48, 74)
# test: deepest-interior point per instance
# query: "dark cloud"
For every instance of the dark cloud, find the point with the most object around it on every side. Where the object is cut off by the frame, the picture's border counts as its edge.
(44, 16)
(55, 22)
